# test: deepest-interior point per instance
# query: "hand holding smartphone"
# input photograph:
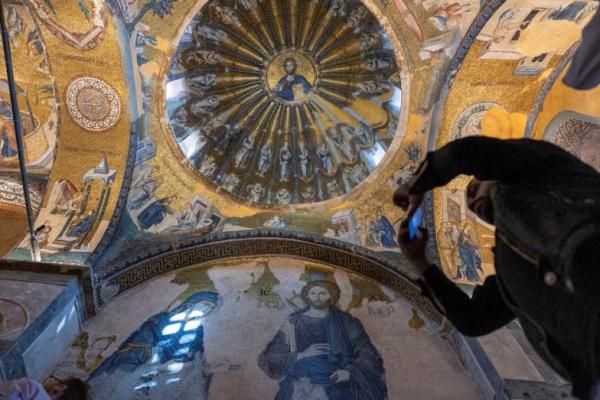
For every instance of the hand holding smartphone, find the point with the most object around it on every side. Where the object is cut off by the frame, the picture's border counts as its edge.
(415, 223)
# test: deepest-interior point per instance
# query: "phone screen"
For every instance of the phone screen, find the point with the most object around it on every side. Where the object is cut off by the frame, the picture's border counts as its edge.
(415, 222)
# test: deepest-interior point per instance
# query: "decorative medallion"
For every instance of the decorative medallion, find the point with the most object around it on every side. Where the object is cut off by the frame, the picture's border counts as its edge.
(93, 104)
(279, 102)
(468, 122)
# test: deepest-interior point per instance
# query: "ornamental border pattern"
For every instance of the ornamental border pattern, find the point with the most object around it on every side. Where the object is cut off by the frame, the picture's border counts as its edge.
(263, 246)
(179, 243)
(479, 22)
(109, 234)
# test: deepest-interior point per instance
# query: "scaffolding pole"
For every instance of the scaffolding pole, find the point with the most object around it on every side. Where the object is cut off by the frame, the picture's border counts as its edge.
(35, 251)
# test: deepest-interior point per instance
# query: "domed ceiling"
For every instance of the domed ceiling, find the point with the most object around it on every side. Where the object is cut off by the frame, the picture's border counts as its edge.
(283, 102)
(235, 118)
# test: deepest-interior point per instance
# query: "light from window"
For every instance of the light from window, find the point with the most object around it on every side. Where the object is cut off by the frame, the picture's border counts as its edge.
(171, 329)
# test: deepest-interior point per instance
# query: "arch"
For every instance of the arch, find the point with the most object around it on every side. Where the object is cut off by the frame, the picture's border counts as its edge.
(343, 257)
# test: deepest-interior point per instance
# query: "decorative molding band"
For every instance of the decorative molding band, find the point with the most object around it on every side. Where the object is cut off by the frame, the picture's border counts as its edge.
(122, 200)
(479, 22)
(440, 98)
(144, 251)
(539, 101)
(431, 249)
(275, 246)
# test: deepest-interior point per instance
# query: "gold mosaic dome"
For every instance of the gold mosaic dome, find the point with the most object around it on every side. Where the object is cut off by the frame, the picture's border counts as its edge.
(283, 102)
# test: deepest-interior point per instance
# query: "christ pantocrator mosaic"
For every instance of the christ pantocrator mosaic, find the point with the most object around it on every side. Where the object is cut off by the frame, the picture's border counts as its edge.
(284, 102)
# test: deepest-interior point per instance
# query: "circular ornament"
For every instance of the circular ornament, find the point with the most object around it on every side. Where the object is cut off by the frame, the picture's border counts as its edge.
(468, 122)
(93, 104)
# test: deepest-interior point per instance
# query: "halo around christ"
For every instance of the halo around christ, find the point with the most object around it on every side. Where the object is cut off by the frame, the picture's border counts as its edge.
(291, 76)
(283, 102)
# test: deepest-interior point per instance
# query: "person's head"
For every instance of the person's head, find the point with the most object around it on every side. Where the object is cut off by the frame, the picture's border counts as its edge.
(290, 66)
(468, 232)
(66, 389)
(321, 294)
(479, 199)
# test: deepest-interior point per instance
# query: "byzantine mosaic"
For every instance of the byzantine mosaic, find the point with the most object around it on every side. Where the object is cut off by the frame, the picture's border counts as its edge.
(402, 55)
(169, 198)
(504, 72)
(285, 327)
(570, 118)
(75, 42)
(56, 44)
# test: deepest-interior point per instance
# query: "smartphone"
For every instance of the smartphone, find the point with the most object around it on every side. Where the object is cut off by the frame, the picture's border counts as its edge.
(415, 223)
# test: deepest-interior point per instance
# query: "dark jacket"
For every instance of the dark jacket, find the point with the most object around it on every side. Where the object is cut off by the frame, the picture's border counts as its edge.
(584, 72)
(558, 316)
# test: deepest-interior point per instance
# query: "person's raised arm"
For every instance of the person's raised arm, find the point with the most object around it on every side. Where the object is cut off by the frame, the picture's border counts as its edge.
(478, 315)
(481, 314)
(487, 159)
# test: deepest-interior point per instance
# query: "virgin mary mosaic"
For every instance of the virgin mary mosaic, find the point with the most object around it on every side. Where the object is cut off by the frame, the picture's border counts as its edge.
(150, 359)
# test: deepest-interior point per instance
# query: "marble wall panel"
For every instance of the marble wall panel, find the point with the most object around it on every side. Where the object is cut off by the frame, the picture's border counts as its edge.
(21, 302)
